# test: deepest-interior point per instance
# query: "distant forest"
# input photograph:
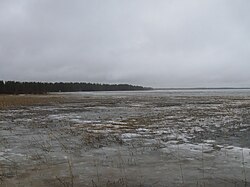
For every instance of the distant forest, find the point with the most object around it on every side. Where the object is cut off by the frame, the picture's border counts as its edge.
(13, 87)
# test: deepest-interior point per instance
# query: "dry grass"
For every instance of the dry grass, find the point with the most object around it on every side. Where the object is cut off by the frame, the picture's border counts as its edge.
(7, 101)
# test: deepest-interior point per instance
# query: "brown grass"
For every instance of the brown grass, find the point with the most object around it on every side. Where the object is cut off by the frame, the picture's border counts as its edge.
(7, 101)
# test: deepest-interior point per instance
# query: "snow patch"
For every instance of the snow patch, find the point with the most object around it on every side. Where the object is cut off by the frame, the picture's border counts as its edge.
(130, 135)
(196, 129)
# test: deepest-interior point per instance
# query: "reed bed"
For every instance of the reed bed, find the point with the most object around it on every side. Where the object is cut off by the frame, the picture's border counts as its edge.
(7, 101)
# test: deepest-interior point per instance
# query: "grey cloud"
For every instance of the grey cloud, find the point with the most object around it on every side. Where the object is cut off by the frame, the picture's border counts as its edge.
(154, 43)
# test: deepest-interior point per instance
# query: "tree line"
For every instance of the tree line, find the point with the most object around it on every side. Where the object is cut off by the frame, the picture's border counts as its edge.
(15, 87)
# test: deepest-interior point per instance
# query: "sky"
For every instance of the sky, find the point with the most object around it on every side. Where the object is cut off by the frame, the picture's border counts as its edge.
(157, 43)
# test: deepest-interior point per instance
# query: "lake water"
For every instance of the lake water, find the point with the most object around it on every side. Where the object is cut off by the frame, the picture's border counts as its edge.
(147, 138)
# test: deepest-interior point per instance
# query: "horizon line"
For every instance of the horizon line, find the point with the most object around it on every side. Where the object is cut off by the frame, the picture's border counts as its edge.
(203, 88)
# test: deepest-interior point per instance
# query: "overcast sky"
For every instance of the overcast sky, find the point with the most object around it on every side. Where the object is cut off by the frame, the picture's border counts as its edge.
(158, 43)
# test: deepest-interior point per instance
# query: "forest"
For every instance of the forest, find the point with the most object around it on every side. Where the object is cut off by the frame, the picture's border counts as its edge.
(16, 87)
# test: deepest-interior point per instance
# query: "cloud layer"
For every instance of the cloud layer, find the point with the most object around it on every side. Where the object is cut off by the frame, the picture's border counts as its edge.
(165, 43)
